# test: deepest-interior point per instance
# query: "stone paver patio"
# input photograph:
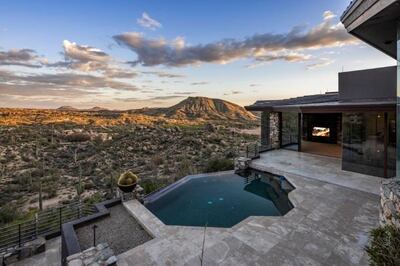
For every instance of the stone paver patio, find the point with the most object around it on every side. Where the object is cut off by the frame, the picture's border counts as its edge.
(328, 226)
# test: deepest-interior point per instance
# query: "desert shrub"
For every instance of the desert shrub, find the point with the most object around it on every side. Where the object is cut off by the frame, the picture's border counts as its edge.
(218, 164)
(185, 168)
(8, 213)
(149, 186)
(157, 160)
(384, 247)
(50, 190)
(77, 137)
(95, 198)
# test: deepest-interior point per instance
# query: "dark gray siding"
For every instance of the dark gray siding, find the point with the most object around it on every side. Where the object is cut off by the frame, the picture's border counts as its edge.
(371, 84)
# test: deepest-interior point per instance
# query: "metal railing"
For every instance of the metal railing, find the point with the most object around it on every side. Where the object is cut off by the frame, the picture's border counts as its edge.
(45, 222)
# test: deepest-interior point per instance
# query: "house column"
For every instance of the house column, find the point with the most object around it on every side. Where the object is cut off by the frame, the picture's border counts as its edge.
(271, 127)
(265, 128)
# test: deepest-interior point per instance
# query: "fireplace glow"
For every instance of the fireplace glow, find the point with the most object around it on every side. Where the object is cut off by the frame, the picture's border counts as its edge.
(321, 132)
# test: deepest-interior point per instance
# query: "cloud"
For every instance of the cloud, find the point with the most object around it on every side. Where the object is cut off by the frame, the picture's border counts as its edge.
(185, 92)
(328, 15)
(321, 62)
(265, 47)
(234, 92)
(21, 57)
(82, 57)
(164, 98)
(163, 74)
(63, 81)
(148, 22)
(199, 83)
(151, 99)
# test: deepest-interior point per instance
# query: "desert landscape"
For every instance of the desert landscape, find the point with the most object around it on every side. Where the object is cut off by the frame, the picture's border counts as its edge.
(56, 156)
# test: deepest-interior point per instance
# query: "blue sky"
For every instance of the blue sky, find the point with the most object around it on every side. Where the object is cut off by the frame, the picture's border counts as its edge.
(131, 54)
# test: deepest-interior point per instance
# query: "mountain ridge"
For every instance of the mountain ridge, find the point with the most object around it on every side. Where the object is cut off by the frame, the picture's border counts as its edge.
(190, 108)
(202, 108)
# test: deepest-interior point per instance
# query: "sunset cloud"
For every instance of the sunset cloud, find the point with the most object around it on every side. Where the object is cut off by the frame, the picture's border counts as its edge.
(21, 57)
(259, 47)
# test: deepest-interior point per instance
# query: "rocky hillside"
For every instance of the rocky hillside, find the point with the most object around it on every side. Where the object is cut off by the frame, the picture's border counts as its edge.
(203, 108)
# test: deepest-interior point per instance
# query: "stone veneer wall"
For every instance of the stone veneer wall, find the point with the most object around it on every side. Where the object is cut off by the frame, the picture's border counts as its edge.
(389, 212)
(270, 129)
(274, 129)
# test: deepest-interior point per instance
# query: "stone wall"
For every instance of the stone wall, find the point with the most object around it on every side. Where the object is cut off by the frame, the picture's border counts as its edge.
(274, 129)
(389, 212)
(270, 129)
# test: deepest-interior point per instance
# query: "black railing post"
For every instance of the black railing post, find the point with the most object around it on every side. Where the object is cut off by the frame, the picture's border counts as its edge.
(255, 150)
(94, 235)
(36, 224)
(19, 235)
(247, 151)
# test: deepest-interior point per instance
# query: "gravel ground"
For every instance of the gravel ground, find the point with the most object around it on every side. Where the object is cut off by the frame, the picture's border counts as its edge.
(120, 230)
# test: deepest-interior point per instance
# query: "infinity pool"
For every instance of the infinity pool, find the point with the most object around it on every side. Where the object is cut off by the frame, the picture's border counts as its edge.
(221, 199)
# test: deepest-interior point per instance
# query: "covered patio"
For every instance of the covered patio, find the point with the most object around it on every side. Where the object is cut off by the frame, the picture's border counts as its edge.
(323, 168)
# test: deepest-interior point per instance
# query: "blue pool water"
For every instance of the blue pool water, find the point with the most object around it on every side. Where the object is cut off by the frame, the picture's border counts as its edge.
(221, 200)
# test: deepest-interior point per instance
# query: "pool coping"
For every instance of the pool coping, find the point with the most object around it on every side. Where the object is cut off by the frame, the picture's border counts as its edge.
(161, 192)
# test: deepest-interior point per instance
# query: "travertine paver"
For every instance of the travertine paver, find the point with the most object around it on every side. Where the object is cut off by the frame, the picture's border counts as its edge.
(318, 167)
(328, 226)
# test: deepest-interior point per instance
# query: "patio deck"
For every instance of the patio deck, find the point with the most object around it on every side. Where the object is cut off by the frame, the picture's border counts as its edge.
(328, 169)
(328, 226)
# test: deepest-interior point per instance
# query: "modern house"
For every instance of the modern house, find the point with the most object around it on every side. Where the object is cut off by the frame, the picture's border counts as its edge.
(356, 124)
(377, 22)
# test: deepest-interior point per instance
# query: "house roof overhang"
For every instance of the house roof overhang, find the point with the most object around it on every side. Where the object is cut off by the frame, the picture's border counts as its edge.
(329, 107)
(374, 22)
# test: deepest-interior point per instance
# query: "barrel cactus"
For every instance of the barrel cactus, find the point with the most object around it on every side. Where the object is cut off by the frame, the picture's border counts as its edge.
(127, 181)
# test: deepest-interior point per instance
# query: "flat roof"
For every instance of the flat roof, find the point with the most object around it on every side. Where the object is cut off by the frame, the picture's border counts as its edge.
(320, 103)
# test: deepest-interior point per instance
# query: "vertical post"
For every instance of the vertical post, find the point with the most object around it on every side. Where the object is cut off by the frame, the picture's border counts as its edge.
(255, 150)
(385, 144)
(280, 129)
(36, 224)
(247, 151)
(299, 132)
(19, 235)
(94, 234)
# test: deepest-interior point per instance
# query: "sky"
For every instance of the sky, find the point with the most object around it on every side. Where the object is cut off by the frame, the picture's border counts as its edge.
(132, 54)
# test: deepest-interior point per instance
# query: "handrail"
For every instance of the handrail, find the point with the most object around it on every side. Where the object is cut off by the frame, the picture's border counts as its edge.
(45, 222)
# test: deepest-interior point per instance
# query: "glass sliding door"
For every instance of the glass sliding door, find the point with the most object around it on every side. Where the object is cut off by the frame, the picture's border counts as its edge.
(364, 143)
(391, 144)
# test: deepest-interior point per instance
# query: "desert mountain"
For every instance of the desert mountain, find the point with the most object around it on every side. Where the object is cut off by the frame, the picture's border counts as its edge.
(67, 108)
(202, 108)
(97, 109)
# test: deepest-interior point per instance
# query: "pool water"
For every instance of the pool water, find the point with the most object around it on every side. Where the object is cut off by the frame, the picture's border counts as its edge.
(221, 200)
